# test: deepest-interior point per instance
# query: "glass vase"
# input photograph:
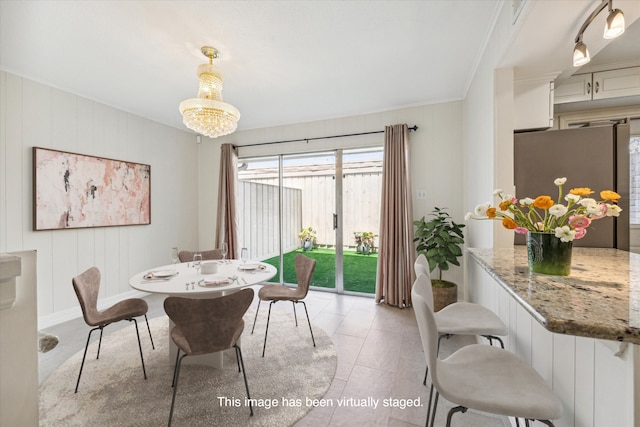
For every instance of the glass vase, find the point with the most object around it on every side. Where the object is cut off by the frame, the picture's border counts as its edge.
(548, 254)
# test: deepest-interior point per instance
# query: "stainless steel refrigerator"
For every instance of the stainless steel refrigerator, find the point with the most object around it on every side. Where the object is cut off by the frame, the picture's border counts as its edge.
(595, 156)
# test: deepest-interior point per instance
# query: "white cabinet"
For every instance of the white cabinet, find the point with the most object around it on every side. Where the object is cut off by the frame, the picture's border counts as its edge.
(533, 103)
(574, 89)
(601, 85)
(615, 83)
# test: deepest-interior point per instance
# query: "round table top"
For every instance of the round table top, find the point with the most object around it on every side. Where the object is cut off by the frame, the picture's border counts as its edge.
(231, 276)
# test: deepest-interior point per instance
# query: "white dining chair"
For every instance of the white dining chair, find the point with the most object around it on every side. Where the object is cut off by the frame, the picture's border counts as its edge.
(481, 377)
(462, 318)
(459, 318)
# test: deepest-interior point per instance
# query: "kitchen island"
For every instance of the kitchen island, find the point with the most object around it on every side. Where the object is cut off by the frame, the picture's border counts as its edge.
(580, 332)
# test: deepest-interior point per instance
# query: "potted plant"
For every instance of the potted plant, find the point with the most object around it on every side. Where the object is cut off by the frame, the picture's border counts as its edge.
(364, 241)
(308, 237)
(440, 240)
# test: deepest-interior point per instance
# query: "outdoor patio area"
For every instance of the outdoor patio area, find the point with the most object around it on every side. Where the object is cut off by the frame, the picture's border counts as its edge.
(359, 269)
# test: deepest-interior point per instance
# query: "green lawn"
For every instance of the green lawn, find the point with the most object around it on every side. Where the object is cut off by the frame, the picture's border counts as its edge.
(359, 270)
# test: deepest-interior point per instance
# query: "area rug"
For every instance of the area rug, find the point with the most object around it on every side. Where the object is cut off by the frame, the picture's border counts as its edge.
(113, 391)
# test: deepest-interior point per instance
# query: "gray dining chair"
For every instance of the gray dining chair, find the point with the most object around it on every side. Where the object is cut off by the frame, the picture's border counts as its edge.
(87, 288)
(207, 325)
(481, 377)
(212, 254)
(273, 293)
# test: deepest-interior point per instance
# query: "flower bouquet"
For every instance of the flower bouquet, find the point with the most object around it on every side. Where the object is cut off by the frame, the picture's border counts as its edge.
(544, 215)
(551, 226)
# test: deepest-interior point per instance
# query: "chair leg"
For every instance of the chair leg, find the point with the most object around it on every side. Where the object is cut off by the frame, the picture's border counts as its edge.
(308, 321)
(266, 330)
(447, 336)
(435, 406)
(255, 318)
(100, 341)
(149, 329)
(176, 375)
(430, 400)
(426, 372)
(175, 368)
(493, 337)
(244, 373)
(84, 356)
(517, 422)
(237, 358)
(453, 411)
(526, 422)
(144, 371)
(295, 316)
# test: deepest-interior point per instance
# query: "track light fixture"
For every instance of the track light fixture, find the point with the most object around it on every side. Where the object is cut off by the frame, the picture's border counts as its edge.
(612, 29)
(615, 23)
(580, 54)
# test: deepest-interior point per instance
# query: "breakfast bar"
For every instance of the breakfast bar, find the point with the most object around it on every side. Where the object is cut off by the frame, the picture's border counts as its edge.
(580, 332)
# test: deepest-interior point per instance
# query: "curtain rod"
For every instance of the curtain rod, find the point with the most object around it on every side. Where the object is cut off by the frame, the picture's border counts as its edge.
(414, 128)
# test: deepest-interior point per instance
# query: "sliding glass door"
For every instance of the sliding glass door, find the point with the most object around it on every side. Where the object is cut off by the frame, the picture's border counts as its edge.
(325, 205)
(361, 195)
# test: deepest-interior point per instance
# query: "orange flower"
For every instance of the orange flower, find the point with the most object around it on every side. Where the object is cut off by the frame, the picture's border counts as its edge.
(612, 196)
(581, 191)
(491, 213)
(543, 202)
(508, 223)
(504, 205)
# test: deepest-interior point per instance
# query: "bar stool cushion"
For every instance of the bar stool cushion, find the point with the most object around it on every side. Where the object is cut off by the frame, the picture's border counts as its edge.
(466, 318)
(493, 380)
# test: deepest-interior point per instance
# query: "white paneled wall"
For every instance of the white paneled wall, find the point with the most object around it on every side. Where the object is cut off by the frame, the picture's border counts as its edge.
(33, 114)
(595, 386)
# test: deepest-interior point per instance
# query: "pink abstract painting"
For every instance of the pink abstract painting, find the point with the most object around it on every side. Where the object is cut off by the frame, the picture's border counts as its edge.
(76, 191)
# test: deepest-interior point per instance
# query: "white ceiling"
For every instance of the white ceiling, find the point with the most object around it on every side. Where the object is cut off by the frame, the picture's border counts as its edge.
(284, 61)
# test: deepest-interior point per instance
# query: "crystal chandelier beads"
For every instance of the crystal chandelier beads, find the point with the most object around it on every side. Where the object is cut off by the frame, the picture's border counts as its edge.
(208, 114)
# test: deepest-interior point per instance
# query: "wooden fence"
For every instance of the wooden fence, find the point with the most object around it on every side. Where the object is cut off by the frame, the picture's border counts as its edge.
(258, 219)
(309, 200)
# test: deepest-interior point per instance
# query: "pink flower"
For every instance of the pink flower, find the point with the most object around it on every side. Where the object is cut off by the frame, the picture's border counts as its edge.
(521, 230)
(580, 232)
(579, 221)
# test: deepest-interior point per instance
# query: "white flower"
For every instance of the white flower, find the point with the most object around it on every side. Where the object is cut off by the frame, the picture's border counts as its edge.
(507, 197)
(558, 210)
(497, 191)
(526, 201)
(594, 209)
(481, 209)
(587, 201)
(565, 233)
(468, 216)
(559, 181)
(613, 210)
(572, 198)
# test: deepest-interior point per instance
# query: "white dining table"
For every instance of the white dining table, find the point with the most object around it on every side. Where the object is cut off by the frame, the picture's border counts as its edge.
(183, 280)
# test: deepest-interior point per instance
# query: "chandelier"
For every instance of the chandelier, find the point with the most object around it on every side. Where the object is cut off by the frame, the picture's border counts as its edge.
(208, 114)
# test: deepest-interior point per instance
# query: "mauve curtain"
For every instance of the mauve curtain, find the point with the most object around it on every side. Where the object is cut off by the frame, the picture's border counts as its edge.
(226, 227)
(396, 252)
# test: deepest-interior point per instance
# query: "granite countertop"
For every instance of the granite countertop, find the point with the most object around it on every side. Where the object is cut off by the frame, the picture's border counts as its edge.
(599, 299)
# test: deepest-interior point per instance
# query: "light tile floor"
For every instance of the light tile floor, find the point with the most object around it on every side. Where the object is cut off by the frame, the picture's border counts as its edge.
(379, 357)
